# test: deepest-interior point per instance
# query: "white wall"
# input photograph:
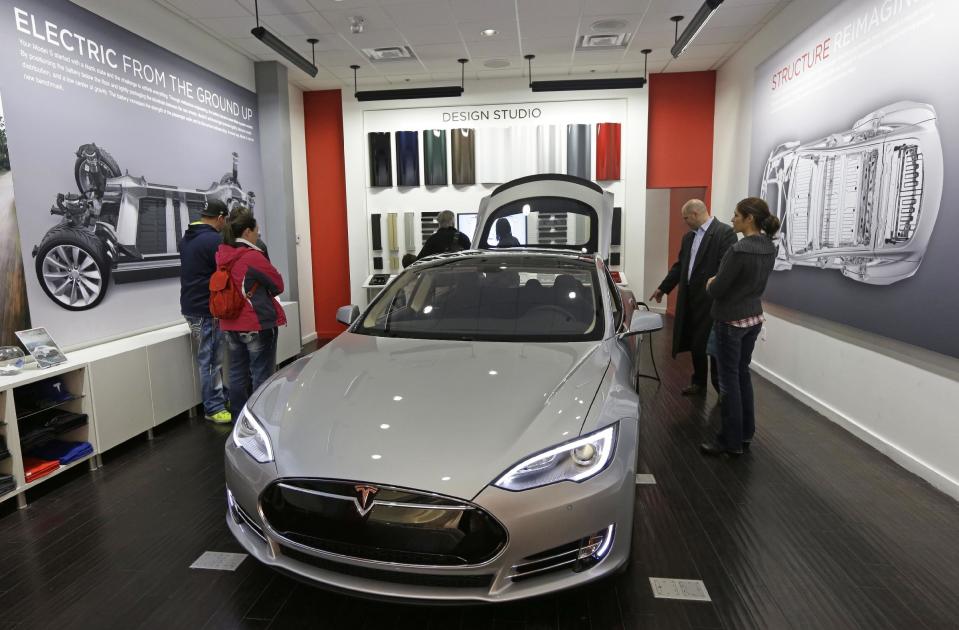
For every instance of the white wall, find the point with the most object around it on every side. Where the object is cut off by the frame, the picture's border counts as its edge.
(657, 243)
(301, 216)
(514, 91)
(898, 398)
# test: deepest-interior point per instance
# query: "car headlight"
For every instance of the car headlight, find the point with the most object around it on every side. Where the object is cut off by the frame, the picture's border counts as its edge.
(250, 435)
(574, 461)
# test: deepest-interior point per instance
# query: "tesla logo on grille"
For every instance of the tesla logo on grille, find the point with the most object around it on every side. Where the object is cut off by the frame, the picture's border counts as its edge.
(363, 503)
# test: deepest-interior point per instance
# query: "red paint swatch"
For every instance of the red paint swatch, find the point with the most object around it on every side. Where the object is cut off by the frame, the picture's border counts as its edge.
(608, 151)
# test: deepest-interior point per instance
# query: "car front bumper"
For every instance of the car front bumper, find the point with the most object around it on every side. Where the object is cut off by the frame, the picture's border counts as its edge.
(546, 529)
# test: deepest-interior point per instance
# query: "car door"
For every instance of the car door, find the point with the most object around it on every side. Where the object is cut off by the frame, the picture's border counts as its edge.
(561, 212)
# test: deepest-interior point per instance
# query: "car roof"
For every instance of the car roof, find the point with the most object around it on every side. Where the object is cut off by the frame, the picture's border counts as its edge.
(546, 255)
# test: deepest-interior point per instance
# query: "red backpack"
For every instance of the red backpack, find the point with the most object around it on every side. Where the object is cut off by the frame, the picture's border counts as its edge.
(226, 300)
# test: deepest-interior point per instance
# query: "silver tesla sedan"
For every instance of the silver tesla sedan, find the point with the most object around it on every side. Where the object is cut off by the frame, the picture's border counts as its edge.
(472, 436)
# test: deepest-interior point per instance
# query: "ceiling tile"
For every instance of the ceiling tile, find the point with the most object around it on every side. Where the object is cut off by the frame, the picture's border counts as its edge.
(750, 15)
(484, 50)
(409, 80)
(210, 8)
(432, 35)
(503, 73)
(688, 65)
(431, 13)
(551, 45)
(707, 51)
(724, 35)
(376, 39)
(552, 8)
(552, 59)
(400, 67)
(230, 27)
(305, 24)
(556, 27)
(273, 7)
(430, 52)
(480, 10)
(592, 58)
(339, 18)
(608, 7)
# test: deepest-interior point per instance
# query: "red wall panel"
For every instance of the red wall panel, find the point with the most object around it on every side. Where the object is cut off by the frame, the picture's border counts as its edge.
(608, 151)
(680, 151)
(326, 180)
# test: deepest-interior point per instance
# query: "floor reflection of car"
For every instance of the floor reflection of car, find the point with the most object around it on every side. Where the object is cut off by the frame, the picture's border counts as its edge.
(471, 436)
(862, 201)
(119, 226)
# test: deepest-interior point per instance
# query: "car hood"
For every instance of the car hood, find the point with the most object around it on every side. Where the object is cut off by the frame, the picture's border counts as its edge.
(442, 416)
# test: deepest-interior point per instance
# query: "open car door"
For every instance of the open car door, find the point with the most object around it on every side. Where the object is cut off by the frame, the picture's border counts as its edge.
(546, 212)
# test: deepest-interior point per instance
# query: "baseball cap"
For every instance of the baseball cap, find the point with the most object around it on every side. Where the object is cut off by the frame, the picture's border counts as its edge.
(214, 208)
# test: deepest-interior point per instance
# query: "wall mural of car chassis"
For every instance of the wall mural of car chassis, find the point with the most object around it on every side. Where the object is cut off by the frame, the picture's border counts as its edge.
(863, 201)
(119, 226)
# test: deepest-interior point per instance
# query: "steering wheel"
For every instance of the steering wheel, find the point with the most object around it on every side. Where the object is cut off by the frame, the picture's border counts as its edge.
(550, 308)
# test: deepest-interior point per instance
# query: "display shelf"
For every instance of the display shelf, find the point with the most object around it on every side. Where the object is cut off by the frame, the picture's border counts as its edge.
(61, 469)
(11, 494)
(49, 407)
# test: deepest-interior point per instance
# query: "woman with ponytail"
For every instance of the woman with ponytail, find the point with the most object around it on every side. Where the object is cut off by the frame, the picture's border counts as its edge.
(737, 290)
(251, 335)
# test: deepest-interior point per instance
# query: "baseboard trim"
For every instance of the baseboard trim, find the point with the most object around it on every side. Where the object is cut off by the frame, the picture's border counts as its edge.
(905, 459)
(308, 338)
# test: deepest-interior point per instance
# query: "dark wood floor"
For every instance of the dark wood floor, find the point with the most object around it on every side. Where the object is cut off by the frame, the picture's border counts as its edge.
(811, 530)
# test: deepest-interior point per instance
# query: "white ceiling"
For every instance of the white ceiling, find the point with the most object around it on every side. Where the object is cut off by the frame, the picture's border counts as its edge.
(441, 31)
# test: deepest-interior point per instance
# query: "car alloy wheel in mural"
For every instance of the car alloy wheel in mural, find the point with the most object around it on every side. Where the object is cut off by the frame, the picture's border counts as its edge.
(121, 227)
(862, 201)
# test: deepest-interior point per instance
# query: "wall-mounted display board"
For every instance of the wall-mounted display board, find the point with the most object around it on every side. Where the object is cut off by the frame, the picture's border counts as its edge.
(465, 152)
(116, 145)
(854, 136)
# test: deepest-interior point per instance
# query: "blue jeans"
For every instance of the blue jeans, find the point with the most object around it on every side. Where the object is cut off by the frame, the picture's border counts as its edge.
(252, 361)
(734, 348)
(206, 333)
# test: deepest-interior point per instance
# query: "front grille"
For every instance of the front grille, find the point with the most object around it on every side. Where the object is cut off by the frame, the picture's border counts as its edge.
(383, 575)
(401, 526)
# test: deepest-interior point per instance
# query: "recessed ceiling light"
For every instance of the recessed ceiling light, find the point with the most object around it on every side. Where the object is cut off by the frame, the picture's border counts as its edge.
(490, 32)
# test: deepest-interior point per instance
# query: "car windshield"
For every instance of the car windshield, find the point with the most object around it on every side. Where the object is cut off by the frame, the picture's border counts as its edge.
(496, 298)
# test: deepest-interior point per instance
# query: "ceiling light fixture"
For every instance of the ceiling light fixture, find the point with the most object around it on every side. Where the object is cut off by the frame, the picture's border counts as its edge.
(357, 22)
(565, 85)
(277, 44)
(489, 32)
(446, 91)
(694, 27)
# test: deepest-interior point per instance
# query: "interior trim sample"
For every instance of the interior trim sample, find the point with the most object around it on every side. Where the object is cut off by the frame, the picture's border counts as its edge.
(407, 158)
(617, 237)
(493, 155)
(464, 156)
(614, 259)
(381, 159)
(550, 149)
(579, 151)
(391, 237)
(434, 157)
(375, 232)
(521, 152)
(377, 263)
(608, 151)
(408, 232)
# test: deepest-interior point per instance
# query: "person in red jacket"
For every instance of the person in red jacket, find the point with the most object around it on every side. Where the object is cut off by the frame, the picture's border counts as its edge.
(251, 336)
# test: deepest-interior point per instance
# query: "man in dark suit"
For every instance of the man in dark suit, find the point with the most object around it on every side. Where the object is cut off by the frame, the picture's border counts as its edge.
(699, 257)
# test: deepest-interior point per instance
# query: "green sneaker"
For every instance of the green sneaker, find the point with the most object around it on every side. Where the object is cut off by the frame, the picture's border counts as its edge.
(221, 417)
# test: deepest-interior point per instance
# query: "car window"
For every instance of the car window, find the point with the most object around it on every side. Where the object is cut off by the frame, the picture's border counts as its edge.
(617, 302)
(491, 299)
(549, 222)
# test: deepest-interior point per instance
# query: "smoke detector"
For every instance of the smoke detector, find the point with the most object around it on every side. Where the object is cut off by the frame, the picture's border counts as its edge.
(605, 41)
(389, 53)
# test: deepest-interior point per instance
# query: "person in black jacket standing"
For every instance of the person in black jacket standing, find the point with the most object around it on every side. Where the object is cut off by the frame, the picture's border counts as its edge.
(737, 291)
(446, 238)
(197, 264)
(699, 256)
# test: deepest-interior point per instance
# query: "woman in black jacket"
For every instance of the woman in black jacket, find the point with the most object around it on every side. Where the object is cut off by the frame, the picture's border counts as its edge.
(737, 290)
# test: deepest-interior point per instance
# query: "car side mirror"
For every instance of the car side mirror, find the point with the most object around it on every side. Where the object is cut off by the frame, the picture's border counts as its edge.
(644, 322)
(347, 314)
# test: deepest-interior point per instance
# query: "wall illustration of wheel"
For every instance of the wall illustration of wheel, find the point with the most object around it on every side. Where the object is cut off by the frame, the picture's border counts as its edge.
(92, 169)
(73, 268)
